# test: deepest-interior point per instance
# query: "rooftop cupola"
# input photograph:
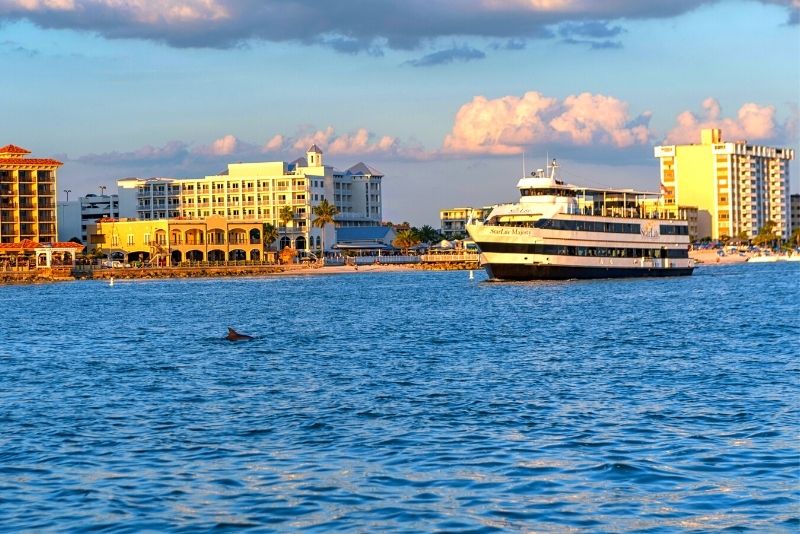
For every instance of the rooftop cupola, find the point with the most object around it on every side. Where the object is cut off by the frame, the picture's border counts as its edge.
(314, 156)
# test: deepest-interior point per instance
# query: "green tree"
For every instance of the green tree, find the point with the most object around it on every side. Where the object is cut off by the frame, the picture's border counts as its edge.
(405, 240)
(766, 235)
(270, 234)
(285, 215)
(794, 239)
(743, 237)
(427, 234)
(323, 213)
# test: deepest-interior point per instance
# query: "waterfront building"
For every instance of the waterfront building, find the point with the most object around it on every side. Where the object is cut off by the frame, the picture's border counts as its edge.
(453, 221)
(365, 238)
(27, 197)
(75, 216)
(30, 253)
(212, 238)
(794, 211)
(737, 187)
(259, 192)
(149, 198)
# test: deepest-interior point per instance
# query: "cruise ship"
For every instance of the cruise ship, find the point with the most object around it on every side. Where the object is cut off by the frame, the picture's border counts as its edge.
(559, 231)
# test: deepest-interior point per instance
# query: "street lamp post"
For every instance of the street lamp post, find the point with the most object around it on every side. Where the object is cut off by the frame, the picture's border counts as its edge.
(103, 190)
(68, 191)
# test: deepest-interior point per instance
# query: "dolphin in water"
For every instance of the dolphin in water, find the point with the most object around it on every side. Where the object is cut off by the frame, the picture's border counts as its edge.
(233, 335)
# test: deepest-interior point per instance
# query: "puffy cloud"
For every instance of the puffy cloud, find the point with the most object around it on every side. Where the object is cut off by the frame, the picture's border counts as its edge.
(274, 144)
(223, 146)
(319, 137)
(753, 122)
(180, 158)
(349, 26)
(361, 142)
(509, 124)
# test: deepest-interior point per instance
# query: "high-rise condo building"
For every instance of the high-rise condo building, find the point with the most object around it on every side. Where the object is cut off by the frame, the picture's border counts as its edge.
(27, 197)
(737, 187)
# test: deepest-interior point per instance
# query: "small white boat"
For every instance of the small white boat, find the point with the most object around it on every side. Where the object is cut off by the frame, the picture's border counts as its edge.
(762, 259)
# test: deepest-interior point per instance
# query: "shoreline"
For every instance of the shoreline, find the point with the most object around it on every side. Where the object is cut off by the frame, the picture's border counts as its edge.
(39, 276)
(710, 257)
(702, 258)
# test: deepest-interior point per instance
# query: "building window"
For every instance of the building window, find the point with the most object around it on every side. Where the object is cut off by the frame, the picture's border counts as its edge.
(130, 239)
(146, 238)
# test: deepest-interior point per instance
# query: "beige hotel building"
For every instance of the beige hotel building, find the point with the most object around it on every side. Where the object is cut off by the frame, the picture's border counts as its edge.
(737, 187)
(258, 191)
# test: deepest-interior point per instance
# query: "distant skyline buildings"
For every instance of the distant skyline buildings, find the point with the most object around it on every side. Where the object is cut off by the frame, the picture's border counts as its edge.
(446, 99)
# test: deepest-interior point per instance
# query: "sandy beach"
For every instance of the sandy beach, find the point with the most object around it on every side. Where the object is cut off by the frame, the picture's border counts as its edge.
(710, 257)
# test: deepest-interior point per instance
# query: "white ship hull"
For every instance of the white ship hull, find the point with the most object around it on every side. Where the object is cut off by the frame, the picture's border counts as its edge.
(528, 253)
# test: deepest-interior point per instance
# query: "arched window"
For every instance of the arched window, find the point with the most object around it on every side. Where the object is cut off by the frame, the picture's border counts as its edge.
(285, 242)
(300, 243)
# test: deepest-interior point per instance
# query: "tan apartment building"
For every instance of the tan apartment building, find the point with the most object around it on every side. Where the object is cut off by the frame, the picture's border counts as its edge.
(27, 197)
(737, 187)
(213, 238)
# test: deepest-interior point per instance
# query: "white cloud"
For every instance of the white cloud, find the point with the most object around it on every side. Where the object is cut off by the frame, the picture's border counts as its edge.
(509, 124)
(752, 122)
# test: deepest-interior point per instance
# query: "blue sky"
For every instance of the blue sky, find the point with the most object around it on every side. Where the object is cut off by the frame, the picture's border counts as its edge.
(443, 96)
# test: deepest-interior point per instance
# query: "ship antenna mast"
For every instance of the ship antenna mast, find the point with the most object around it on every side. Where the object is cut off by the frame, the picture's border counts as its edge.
(523, 163)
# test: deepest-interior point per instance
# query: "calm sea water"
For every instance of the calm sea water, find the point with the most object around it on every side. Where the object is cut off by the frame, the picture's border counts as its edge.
(403, 402)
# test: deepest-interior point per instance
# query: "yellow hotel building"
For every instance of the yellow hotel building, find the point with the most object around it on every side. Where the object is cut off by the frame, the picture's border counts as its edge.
(213, 238)
(736, 187)
(27, 197)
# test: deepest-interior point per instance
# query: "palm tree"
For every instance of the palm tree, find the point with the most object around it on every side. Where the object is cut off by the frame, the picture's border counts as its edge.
(270, 234)
(428, 234)
(405, 240)
(794, 239)
(285, 215)
(766, 235)
(324, 213)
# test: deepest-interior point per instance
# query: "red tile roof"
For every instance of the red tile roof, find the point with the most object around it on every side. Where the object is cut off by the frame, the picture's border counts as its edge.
(13, 149)
(25, 244)
(29, 161)
(29, 244)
